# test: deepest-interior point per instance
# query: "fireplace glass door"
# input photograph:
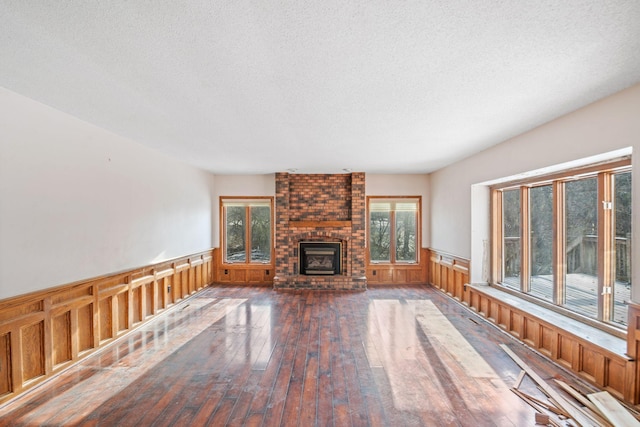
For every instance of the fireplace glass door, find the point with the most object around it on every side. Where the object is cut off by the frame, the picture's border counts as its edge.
(320, 258)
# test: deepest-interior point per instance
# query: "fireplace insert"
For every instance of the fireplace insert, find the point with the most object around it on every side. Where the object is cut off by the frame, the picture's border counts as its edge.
(320, 258)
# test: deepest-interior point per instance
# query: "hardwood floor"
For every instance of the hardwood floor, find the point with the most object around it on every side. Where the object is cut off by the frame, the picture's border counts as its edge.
(398, 355)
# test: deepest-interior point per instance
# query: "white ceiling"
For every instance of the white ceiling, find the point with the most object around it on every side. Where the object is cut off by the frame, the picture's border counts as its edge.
(319, 85)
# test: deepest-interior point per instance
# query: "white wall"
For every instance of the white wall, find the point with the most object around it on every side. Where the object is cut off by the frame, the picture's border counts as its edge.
(404, 185)
(607, 125)
(77, 201)
(239, 185)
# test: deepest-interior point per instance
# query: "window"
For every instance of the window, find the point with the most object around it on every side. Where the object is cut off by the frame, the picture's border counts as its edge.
(566, 240)
(622, 247)
(246, 231)
(511, 215)
(581, 245)
(393, 229)
(541, 242)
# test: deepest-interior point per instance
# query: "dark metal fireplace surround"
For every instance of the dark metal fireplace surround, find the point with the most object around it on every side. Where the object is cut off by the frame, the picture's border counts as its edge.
(320, 258)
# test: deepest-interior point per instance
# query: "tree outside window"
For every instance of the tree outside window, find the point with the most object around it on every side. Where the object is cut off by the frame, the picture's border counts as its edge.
(247, 230)
(393, 230)
(567, 240)
(511, 231)
(541, 242)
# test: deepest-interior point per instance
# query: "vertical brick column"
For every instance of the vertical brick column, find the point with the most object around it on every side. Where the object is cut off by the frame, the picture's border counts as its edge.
(282, 238)
(358, 218)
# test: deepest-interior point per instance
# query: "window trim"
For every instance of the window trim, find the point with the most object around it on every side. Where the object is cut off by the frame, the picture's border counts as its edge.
(392, 249)
(223, 228)
(604, 172)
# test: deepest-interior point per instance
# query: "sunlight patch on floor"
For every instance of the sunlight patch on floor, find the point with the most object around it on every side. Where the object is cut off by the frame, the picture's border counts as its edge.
(393, 344)
(108, 382)
(436, 326)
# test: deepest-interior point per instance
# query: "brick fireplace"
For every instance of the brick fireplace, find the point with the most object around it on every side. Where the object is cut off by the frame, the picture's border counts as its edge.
(320, 208)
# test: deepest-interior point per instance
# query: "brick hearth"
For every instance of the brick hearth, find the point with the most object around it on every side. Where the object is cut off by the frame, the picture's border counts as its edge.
(311, 208)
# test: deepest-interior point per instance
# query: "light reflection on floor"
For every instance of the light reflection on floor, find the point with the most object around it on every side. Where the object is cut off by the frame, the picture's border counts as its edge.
(411, 356)
(392, 343)
(103, 385)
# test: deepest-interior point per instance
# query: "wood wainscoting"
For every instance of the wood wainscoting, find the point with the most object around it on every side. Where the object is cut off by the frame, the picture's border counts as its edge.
(399, 274)
(605, 366)
(377, 274)
(449, 273)
(242, 274)
(43, 332)
(633, 345)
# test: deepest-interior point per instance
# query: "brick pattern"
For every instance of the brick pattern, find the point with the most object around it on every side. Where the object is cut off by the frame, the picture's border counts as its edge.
(320, 198)
(314, 197)
(358, 218)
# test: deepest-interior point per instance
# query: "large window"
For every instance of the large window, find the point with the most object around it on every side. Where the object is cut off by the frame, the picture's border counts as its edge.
(394, 229)
(567, 240)
(246, 231)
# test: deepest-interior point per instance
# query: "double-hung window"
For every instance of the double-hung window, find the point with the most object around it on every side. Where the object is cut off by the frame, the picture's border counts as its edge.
(247, 230)
(566, 239)
(394, 229)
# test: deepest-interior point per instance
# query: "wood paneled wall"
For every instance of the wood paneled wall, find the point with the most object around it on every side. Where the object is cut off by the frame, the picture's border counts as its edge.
(242, 274)
(43, 332)
(391, 274)
(377, 274)
(605, 369)
(449, 273)
(633, 346)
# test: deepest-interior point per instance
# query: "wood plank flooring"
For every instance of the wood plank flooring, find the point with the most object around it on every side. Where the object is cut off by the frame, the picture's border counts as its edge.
(251, 356)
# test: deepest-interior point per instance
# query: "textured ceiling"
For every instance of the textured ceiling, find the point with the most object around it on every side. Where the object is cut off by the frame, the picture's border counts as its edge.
(263, 86)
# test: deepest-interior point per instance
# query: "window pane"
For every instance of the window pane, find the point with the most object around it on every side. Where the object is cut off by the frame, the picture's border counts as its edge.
(380, 236)
(511, 244)
(235, 234)
(406, 236)
(380, 206)
(541, 217)
(581, 216)
(411, 206)
(260, 234)
(622, 267)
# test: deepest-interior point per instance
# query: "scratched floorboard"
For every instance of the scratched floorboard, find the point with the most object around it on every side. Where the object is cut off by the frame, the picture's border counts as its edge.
(250, 356)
